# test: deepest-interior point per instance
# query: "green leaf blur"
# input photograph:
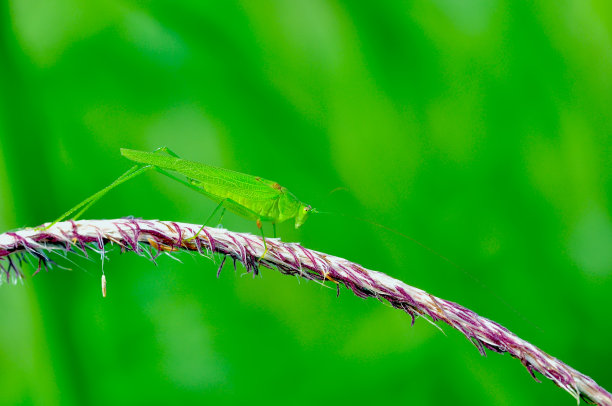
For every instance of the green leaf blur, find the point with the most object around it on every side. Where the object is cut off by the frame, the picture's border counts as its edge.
(480, 128)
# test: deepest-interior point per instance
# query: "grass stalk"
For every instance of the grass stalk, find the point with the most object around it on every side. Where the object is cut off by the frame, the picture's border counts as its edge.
(153, 238)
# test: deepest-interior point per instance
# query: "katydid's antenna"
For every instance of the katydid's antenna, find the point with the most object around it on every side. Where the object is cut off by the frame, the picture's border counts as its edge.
(445, 259)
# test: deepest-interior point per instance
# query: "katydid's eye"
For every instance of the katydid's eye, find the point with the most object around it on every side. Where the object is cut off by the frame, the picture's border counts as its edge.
(307, 208)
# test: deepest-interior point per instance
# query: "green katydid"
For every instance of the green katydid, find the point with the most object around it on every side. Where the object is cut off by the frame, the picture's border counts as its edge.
(251, 197)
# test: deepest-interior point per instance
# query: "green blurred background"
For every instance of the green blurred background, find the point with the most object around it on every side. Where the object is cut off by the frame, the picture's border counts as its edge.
(480, 128)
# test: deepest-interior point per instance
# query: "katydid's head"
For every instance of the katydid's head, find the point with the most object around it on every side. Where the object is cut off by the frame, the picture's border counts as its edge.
(302, 214)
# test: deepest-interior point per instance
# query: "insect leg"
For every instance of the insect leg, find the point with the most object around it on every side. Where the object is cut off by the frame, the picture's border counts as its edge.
(207, 220)
(231, 204)
(167, 151)
(197, 189)
(222, 214)
(122, 179)
(184, 182)
(263, 237)
(87, 203)
(274, 229)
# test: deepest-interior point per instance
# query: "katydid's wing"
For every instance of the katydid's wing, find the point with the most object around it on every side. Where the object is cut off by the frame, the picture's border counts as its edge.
(220, 182)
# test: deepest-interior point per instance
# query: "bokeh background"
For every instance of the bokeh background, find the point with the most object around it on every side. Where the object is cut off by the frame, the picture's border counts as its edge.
(480, 128)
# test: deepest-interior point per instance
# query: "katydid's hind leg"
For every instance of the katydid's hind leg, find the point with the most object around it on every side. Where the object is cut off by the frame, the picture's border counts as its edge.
(171, 153)
(263, 237)
(221, 218)
(167, 151)
(220, 205)
(274, 229)
(130, 174)
(87, 203)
